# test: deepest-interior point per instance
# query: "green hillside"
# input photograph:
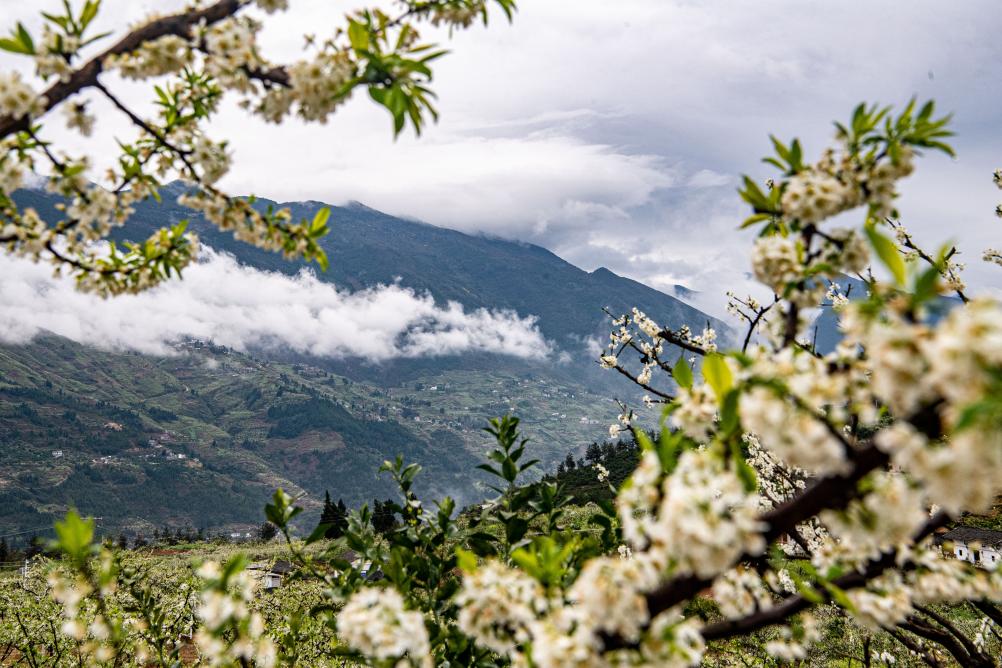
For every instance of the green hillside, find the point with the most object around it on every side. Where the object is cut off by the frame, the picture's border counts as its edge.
(203, 438)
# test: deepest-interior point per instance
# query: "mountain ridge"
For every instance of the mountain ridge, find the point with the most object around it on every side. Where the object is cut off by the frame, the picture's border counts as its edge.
(268, 418)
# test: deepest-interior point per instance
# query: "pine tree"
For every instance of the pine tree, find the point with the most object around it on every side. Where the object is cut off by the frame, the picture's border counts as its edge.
(4, 550)
(335, 516)
(341, 521)
(383, 517)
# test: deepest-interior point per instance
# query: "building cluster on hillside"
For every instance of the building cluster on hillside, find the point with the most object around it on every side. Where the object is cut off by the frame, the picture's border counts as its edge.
(981, 547)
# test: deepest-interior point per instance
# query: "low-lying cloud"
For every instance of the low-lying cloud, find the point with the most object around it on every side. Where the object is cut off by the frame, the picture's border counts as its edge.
(221, 301)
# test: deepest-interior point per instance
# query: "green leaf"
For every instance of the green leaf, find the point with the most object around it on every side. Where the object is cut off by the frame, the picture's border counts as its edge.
(644, 441)
(682, 372)
(318, 533)
(887, 251)
(717, 374)
(89, 12)
(25, 38)
(742, 468)
(756, 218)
(838, 595)
(358, 35)
(729, 412)
(466, 560)
(320, 219)
(13, 46)
(926, 286)
(74, 535)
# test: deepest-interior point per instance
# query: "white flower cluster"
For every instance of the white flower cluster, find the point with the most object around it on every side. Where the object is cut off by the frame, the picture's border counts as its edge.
(230, 629)
(231, 44)
(795, 436)
(608, 595)
(836, 297)
(11, 174)
(777, 481)
(317, 84)
(959, 475)
(17, 98)
(884, 604)
(696, 412)
(846, 251)
(965, 352)
(457, 15)
(505, 611)
(886, 518)
(914, 365)
(740, 592)
(637, 502)
(704, 520)
(776, 261)
(211, 157)
(53, 55)
(811, 196)
(673, 642)
(794, 641)
(498, 605)
(837, 184)
(164, 55)
(376, 623)
(79, 119)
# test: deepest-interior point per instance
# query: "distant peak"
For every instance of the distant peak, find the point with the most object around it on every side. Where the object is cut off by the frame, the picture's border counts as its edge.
(603, 271)
(34, 181)
(355, 204)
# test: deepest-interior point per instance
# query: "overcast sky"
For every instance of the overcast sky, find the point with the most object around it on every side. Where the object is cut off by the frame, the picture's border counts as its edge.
(613, 133)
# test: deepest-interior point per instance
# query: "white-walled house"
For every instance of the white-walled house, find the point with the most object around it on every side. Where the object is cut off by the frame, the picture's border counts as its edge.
(982, 547)
(270, 575)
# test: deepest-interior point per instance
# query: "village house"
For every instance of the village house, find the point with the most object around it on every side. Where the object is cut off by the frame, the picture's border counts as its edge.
(270, 575)
(982, 547)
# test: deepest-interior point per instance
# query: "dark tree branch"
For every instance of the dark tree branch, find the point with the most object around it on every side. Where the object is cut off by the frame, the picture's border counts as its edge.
(647, 387)
(990, 610)
(950, 627)
(924, 629)
(794, 604)
(87, 75)
(929, 658)
(834, 492)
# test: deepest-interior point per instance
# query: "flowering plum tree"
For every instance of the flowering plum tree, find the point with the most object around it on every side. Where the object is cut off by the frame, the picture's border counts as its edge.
(784, 485)
(195, 58)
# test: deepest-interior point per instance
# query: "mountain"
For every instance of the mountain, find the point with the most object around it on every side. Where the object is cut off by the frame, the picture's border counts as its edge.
(826, 332)
(203, 436)
(367, 248)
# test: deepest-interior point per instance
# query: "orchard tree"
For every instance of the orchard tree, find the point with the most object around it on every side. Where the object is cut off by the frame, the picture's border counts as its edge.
(192, 61)
(850, 460)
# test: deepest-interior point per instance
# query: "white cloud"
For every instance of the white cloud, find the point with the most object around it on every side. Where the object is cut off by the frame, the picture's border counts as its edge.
(613, 133)
(240, 307)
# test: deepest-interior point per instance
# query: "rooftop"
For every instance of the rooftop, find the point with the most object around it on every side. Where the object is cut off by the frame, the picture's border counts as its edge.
(968, 535)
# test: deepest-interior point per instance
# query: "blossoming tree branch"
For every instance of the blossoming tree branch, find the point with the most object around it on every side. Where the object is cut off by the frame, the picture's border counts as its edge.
(784, 487)
(194, 59)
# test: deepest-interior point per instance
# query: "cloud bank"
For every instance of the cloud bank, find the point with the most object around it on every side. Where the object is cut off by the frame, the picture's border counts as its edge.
(243, 308)
(614, 133)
